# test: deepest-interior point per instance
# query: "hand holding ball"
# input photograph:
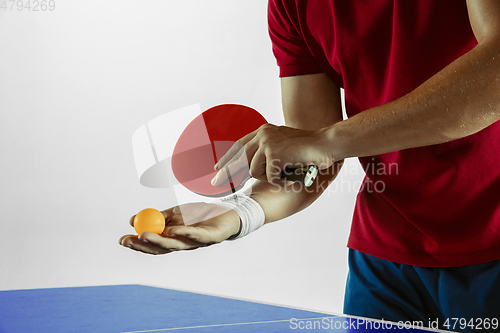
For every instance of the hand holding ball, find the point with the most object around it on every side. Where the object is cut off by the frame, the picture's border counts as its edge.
(150, 220)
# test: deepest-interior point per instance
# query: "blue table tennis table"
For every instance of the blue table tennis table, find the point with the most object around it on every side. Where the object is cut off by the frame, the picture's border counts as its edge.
(138, 308)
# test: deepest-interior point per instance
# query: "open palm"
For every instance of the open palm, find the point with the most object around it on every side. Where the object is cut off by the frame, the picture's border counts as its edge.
(187, 227)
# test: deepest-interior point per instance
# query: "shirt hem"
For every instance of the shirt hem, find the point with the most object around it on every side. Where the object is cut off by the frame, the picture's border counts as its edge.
(426, 259)
(300, 69)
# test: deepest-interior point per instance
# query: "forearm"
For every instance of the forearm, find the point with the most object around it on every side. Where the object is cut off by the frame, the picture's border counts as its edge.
(460, 100)
(279, 202)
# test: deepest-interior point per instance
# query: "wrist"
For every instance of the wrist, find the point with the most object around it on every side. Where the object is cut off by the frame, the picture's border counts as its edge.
(332, 140)
(249, 212)
(234, 221)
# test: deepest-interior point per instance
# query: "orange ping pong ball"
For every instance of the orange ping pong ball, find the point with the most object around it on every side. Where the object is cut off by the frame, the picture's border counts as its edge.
(149, 219)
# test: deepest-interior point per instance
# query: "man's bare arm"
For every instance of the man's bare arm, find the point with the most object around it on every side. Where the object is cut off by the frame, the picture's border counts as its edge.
(458, 101)
(310, 102)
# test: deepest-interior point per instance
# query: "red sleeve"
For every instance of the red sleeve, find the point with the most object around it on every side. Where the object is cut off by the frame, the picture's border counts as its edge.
(291, 51)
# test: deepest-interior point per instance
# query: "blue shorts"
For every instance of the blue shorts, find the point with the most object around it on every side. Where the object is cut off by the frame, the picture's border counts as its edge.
(462, 299)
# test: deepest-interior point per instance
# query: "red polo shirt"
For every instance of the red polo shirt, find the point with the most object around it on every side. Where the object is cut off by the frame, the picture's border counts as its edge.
(430, 206)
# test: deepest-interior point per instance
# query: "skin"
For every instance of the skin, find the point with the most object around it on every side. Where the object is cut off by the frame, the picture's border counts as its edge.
(460, 100)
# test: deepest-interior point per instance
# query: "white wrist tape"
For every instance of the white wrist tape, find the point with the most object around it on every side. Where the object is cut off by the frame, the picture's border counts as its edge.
(251, 213)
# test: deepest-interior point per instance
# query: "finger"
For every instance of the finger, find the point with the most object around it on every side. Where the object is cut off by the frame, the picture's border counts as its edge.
(132, 242)
(231, 168)
(233, 151)
(152, 243)
(177, 219)
(169, 213)
(258, 166)
(120, 241)
(148, 248)
(230, 154)
(200, 234)
(273, 172)
(236, 156)
(170, 243)
(257, 158)
(131, 221)
(126, 239)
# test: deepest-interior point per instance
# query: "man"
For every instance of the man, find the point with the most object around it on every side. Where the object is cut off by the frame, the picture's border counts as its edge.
(422, 89)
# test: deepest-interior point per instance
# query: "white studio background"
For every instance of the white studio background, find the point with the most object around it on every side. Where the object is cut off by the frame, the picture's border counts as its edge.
(75, 83)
